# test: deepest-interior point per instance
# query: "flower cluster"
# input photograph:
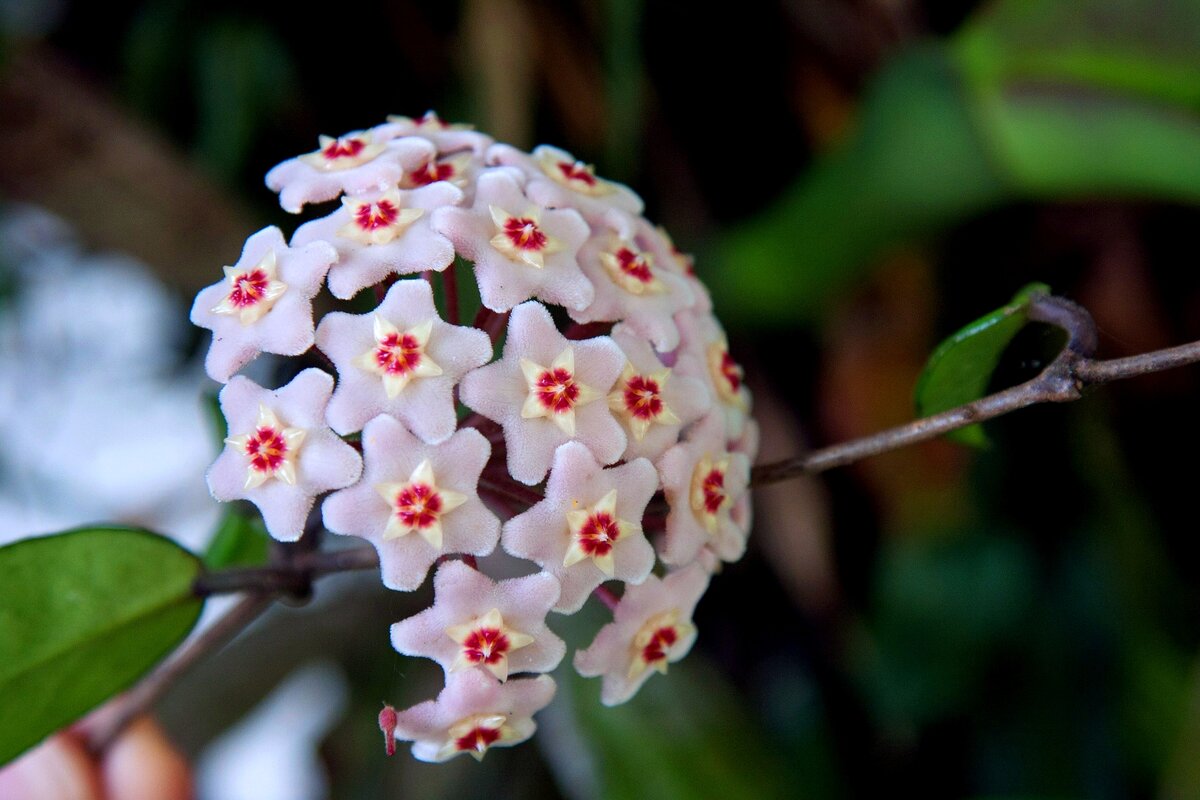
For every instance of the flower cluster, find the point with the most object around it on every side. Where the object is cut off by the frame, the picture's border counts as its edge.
(609, 444)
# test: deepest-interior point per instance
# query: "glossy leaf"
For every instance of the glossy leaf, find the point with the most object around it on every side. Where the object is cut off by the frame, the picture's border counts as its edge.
(960, 368)
(83, 614)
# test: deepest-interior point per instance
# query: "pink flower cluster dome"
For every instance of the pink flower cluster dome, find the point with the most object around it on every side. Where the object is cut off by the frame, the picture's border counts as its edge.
(606, 449)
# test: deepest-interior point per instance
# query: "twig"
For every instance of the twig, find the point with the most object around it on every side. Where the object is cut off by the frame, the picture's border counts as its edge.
(1062, 381)
(291, 579)
(147, 692)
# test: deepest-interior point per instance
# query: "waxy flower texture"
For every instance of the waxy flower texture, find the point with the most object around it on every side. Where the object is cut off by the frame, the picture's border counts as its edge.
(582, 420)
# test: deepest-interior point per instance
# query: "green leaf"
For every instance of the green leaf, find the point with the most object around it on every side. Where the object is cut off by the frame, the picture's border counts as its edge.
(83, 614)
(960, 368)
(241, 540)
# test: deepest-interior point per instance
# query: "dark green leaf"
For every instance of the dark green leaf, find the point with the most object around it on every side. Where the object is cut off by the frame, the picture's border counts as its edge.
(241, 540)
(960, 368)
(83, 614)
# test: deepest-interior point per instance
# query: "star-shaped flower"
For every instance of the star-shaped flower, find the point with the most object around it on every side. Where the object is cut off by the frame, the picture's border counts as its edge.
(448, 137)
(651, 400)
(668, 256)
(588, 529)
(568, 391)
(472, 714)
(651, 628)
(402, 360)
(631, 286)
(703, 480)
(477, 622)
(704, 354)
(416, 501)
(264, 304)
(279, 454)
(381, 234)
(559, 180)
(358, 162)
(519, 250)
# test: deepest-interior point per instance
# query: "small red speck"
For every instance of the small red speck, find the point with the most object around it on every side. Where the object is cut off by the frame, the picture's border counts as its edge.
(642, 397)
(598, 534)
(430, 119)
(714, 491)
(373, 216)
(267, 449)
(634, 265)
(479, 738)
(249, 288)
(662, 640)
(387, 724)
(485, 646)
(577, 171)
(556, 390)
(418, 505)
(432, 172)
(524, 233)
(398, 353)
(343, 148)
(731, 371)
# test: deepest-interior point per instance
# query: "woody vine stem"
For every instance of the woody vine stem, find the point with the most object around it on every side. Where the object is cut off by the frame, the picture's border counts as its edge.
(293, 568)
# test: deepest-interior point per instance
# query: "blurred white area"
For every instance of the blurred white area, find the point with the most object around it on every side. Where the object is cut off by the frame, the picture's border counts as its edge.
(272, 754)
(100, 421)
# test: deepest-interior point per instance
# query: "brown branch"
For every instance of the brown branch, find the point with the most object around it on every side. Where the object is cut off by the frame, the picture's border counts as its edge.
(293, 578)
(1062, 381)
(147, 692)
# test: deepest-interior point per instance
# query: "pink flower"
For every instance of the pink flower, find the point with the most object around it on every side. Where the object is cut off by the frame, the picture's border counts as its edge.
(703, 480)
(477, 622)
(632, 286)
(652, 401)
(416, 501)
(358, 162)
(589, 528)
(704, 354)
(547, 390)
(401, 360)
(474, 713)
(558, 180)
(519, 250)
(651, 627)
(378, 234)
(264, 304)
(447, 137)
(668, 256)
(279, 454)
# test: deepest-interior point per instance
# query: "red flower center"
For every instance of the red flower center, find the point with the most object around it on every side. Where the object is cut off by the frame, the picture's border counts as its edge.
(642, 397)
(267, 449)
(714, 490)
(398, 353)
(556, 390)
(432, 172)
(576, 171)
(418, 505)
(249, 288)
(343, 148)
(485, 646)
(478, 738)
(634, 265)
(598, 534)
(373, 216)
(662, 640)
(524, 233)
(731, 371)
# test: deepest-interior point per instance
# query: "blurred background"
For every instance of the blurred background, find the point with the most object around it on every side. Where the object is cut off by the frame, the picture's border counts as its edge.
(858, 179)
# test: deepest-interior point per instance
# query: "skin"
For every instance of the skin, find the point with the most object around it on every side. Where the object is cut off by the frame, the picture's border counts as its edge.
(141, 765)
